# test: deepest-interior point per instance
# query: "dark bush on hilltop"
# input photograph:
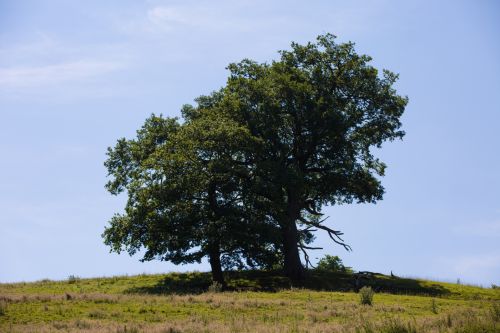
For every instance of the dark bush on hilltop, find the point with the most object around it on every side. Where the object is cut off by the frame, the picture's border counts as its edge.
(333, 264)
(73, 279)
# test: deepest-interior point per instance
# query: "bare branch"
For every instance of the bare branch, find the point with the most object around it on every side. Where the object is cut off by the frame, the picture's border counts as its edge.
(308, 229)
(333, 234)
(303, 248)
(311, 247)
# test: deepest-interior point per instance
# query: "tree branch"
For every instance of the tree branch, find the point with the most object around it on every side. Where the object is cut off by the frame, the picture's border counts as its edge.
(308, 229)
(303, 248)
(311, 247)
(310, 208)
(333, 234)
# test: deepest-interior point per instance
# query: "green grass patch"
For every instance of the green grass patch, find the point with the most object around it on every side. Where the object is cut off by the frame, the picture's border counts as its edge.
(255, 301)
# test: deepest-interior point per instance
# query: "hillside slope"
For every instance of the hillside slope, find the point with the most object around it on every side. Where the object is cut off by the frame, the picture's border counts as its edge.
(255, 302)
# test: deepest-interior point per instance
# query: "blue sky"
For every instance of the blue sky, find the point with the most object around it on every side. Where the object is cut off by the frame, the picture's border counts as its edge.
(77, 75)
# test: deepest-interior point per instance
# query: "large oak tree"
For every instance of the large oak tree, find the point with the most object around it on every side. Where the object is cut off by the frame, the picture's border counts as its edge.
(244, 179)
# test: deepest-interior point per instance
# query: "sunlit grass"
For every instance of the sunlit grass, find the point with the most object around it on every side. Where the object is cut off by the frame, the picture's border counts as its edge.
(181, 303)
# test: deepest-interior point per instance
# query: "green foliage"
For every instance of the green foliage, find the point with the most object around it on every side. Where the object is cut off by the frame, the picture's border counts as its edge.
(184, 185)
(319, 111)
(366, 295)
(243, 179)
(332, 264)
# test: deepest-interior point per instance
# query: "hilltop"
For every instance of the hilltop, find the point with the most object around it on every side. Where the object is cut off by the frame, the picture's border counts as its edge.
(255, 301)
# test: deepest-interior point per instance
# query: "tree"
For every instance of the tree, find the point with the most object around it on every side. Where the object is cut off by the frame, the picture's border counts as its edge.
(184, 189)
(318, 111)
(332, 264)
(244, 179)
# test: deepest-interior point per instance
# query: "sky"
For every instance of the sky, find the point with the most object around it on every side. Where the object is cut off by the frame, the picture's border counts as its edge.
(75, 76)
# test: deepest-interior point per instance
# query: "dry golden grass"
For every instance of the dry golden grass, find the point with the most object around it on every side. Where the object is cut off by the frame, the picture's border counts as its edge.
(357, 321)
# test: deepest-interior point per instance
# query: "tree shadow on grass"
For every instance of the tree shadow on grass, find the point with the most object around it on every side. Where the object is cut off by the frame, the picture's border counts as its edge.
(176, 283)
(272, 281)
(198, 282)
(333, 281)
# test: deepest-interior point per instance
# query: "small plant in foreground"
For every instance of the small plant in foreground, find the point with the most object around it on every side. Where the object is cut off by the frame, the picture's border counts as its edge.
(215, 287)
(434, 307)
(366, 295)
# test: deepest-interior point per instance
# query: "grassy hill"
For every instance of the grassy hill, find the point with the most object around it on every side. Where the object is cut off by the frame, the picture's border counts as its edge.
(255, 302)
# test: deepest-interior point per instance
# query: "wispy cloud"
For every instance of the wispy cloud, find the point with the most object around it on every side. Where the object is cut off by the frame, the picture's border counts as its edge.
(168, 17)
(45, 67)
(34, 76)
(231, 17)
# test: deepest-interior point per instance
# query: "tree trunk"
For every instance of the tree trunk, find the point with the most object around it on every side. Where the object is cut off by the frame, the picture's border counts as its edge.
(292, 264)
(214, 247)
(215, 265)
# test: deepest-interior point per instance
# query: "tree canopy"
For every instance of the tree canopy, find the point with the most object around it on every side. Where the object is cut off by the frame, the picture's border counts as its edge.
(246, 175)
(185, 194)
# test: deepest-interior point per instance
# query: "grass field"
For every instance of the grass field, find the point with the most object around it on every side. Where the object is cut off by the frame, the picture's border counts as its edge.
(255, 302)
